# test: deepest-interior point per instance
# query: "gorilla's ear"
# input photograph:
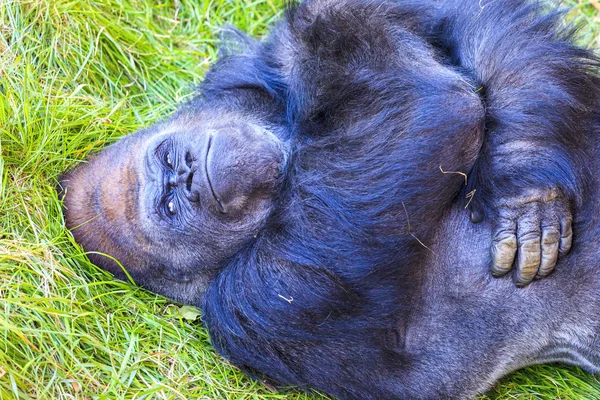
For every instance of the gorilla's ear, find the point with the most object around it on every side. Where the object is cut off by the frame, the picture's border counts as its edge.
(232, 41)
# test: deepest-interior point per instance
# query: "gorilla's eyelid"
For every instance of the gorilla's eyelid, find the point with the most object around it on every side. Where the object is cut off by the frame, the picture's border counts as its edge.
(163, 151)
(167, 201)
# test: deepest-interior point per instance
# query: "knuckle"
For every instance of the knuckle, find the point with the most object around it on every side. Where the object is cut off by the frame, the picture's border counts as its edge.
(567, 234)
(503, 264)
(529, 260)
(500, 270)
(542, 274)
(529, 268)
(548, 262)
(550, 238)
(550, 252)
(530, 237)
(530, 249)
(503, 260)
(506, 242)
(567, 227)
(525, 277)
(522, 280)
(565, 244)
(546, 270)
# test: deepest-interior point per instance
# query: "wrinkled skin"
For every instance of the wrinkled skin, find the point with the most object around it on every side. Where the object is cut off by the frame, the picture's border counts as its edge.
(172, 202)
(344, 199)
(530, 233)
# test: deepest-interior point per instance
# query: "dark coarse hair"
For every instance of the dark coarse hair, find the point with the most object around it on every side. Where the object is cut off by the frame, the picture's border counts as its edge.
(374, 98)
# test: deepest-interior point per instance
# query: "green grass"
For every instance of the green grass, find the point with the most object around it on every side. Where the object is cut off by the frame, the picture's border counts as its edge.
(75, 76)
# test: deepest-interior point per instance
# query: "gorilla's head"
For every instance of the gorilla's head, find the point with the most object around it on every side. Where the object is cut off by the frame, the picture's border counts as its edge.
(172, 203)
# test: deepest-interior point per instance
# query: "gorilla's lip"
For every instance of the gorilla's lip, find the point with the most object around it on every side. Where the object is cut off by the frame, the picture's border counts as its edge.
(210, 186)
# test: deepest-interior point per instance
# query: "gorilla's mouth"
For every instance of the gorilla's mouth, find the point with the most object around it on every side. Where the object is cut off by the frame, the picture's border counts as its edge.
(220, 206)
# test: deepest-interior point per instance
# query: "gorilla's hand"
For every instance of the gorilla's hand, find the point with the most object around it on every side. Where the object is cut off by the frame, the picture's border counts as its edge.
(530, 232)
(533, 82)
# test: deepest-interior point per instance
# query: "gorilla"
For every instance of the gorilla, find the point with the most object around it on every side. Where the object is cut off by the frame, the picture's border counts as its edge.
(343, 198)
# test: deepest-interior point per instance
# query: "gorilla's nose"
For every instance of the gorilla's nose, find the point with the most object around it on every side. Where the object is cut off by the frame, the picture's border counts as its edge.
(184, 178)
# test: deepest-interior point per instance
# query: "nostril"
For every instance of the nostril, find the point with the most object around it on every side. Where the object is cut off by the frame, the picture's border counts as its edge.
(188, 182)
(188, 159)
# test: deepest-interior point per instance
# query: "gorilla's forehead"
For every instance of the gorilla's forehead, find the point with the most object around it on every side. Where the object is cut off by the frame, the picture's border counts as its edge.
(199, 117)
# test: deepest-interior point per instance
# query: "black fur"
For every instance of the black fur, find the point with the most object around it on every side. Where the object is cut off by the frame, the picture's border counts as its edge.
(375, 97)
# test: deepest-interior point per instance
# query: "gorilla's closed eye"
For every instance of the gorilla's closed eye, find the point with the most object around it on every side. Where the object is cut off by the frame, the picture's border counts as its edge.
(171, 208)
(164, 153)
(188, 159)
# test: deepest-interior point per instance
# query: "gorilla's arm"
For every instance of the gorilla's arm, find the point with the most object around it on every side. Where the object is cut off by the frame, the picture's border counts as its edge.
(364, 85)
(540, 97)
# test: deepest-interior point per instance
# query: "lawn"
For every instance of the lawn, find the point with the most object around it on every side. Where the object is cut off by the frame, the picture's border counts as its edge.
(74, 77)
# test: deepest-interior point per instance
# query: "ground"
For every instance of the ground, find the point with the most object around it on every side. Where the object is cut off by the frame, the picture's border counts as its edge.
(74, 77)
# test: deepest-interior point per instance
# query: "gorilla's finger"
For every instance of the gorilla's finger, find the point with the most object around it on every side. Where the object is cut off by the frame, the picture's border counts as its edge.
(529, 246)
(504, 247)
(550, 244)
(566, 233)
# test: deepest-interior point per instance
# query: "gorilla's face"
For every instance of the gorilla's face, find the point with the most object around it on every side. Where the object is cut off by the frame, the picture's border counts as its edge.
(172, 203)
